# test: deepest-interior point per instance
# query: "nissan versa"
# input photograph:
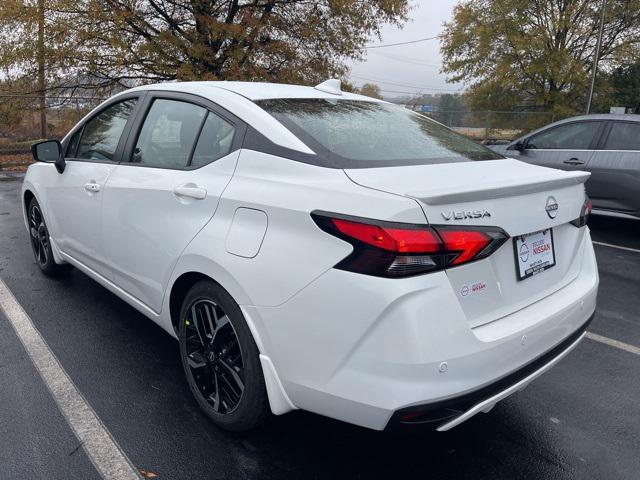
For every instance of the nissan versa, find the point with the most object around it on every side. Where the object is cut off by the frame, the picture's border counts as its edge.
(319, 250)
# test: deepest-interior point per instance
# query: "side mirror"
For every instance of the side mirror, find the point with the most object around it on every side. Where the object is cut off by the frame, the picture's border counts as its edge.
(49, 151)
(518, 146)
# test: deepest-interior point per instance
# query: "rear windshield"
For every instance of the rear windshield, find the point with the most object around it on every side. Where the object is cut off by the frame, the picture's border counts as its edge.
(361, 134)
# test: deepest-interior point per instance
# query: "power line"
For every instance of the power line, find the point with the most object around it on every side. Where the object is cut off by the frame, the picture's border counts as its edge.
(402, 43)
(419, 87)
(50, 97)
(397, 84)
(401, 91)
(401, 58)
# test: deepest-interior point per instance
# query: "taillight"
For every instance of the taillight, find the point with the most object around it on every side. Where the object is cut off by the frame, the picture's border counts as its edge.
(582, 220)
(401, 240)
(468, 242)
(389, 249)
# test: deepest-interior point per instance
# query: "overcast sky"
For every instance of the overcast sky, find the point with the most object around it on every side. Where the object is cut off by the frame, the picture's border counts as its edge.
(409, 68)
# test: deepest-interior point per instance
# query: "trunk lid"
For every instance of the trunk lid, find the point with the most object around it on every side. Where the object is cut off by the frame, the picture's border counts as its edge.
(508, 194)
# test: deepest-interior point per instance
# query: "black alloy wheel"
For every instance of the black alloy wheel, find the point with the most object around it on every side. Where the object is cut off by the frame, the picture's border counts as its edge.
(220, 358)
(214, 355)
(40, 243)
(39, 235)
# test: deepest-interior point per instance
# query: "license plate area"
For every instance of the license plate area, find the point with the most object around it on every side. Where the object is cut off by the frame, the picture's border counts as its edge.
(534, 253)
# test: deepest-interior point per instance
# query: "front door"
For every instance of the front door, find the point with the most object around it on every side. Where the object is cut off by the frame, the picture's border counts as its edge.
(75, 197)
(156, 202)
(568, 146)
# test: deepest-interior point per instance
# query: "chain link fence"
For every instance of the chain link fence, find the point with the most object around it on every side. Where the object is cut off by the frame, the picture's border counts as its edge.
(491, 127)
(20, 115)
(21, 123)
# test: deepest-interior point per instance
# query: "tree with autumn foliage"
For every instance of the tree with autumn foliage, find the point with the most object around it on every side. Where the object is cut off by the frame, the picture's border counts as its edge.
(536, 53)
(625, 83)
(37, 47)
(370, 90)
(293, 41)
(61, 45)
(124, 41)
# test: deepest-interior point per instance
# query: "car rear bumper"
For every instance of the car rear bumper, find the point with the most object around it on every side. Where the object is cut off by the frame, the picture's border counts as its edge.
(361, 349)
(449, 413)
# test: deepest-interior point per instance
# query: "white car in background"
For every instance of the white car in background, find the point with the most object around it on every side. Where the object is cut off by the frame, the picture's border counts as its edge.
(319, 250)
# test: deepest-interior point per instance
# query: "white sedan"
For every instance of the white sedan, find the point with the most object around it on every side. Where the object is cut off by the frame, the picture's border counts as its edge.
(319, 250)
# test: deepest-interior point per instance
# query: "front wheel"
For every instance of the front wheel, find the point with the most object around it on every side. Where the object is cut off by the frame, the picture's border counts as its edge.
(220, 358)
(40, 242)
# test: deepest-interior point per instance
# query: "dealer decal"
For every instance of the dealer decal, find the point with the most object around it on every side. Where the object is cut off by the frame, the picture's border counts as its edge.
(473, 289)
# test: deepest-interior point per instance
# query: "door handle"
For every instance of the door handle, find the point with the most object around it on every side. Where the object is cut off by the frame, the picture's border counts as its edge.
(191, 191)
(92, 187)
(573, 161)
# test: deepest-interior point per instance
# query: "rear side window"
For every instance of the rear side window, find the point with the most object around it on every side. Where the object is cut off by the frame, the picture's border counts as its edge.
(101, 134)
(362, 134)
(624, 136)
(168, 134)
(215, 141)
(572, 136)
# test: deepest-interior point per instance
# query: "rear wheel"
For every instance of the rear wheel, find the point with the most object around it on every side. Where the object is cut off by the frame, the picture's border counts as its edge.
(220, 358)
(40, 242)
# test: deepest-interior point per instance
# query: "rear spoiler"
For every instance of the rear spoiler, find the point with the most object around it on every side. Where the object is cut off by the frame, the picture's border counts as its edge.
(490, 190)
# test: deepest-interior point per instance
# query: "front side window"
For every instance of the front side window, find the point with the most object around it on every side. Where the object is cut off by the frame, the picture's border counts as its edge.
(73, 143)
(572, 136)
(362, 134)
(101, 134)
(624, 136)
(168, 134)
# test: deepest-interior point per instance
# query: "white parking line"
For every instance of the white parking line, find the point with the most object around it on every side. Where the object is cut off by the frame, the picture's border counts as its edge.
(105, 454)
(619, 247)
(614, 343)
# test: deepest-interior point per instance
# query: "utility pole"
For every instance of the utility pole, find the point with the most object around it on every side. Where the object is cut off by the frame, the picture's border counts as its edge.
(596, 57)
(41, 73)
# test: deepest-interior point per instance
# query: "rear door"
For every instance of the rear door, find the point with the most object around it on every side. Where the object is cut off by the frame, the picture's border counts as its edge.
(615, 170)
(75, 197)
(177, 162)
(568, 146)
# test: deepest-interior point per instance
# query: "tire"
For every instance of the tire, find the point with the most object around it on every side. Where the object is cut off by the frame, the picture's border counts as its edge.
(41, 244)
(220, 359)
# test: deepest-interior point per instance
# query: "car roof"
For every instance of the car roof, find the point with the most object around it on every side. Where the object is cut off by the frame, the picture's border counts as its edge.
(629, 117)
(254, 90)
(604, 116)
(239, 98)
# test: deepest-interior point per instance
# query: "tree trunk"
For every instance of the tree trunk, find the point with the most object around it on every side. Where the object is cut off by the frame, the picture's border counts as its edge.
(41, 64)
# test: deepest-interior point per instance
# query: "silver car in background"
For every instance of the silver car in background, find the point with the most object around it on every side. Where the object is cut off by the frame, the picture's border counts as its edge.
(607, 146)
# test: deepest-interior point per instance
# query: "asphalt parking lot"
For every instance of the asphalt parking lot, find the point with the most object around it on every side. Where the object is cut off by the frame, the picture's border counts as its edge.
(579, 421)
